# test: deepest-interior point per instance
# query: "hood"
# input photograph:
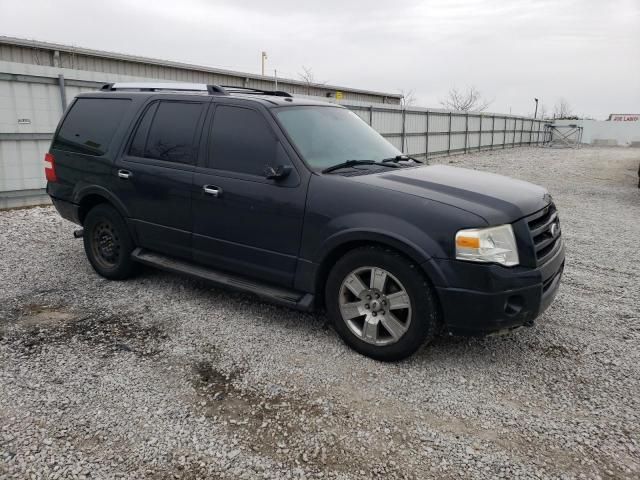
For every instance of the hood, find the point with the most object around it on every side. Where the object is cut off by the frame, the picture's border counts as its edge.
(496, 198)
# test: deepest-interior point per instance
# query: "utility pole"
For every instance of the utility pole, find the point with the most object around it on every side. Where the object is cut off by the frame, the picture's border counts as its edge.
(535, 115)
(275, 77)
(264, 58)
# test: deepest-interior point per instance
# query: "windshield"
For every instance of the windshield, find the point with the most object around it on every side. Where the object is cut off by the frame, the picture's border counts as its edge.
(327, 136)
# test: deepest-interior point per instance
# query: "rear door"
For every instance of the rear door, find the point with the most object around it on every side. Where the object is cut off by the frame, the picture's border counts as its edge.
(242, 221)
(153, 177)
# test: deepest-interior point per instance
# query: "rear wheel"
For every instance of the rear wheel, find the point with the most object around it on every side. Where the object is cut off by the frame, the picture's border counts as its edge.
(108, 243)
(381, 304)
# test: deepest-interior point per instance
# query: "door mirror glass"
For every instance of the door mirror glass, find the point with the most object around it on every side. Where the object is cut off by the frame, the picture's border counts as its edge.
(277, 173)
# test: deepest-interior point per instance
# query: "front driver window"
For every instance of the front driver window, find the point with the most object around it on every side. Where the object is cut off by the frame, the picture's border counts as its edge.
(241, 141)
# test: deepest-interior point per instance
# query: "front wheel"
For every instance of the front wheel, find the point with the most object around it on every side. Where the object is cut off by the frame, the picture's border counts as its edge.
(381, 304)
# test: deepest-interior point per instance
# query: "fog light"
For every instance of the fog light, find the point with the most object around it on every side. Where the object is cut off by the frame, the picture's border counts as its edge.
(513, 305)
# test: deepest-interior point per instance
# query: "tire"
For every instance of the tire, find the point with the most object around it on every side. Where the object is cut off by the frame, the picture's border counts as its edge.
(393, 325)
(108, 243)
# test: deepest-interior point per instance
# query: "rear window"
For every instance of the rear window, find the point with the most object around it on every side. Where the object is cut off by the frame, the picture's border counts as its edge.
(90, 125)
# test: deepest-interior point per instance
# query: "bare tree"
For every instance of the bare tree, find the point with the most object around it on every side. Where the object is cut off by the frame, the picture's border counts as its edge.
(309, 78)
(469, 100)
(408, 98)
(562, 109)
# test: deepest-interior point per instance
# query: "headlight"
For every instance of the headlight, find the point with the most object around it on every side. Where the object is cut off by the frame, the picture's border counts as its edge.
(495, 244)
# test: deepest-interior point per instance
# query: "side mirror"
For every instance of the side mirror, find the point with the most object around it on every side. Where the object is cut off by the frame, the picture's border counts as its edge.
(277, 173)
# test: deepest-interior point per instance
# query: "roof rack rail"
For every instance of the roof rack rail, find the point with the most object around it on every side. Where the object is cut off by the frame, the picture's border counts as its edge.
(255, 91)
(189, 87)
(169, 86)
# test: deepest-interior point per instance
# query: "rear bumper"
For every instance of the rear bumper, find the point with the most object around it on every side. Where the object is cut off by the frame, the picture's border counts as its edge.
(67, 210)
(490, 298)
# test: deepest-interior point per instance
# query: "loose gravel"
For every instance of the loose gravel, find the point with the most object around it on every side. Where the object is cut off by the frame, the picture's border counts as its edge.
(166, 377)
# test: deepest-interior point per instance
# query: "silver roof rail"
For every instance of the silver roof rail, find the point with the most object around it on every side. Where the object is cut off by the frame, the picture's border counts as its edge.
(168, 86)
(256, 91)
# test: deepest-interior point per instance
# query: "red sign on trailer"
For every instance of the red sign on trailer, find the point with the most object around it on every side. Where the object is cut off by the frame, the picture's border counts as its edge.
(624, 117)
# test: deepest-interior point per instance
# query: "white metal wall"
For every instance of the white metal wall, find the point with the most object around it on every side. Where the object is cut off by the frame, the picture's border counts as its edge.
(606, 132)
(31, 105)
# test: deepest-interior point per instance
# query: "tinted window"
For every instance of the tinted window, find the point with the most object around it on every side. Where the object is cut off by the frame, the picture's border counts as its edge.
(173, 131)
(140, 139)
(90, 125)
(241, 141)
(327, 136)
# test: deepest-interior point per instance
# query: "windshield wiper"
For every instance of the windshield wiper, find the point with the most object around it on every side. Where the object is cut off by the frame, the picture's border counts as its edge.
(351, 163)
(399, 158)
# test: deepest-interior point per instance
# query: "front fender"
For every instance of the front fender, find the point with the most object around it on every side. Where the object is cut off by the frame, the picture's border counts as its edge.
(384, 228)
(397, 234)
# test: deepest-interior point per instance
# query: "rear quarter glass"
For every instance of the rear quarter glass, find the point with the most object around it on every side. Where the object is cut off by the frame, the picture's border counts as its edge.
(90, 125)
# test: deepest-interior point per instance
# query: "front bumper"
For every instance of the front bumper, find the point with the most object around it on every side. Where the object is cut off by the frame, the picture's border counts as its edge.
(481, 299)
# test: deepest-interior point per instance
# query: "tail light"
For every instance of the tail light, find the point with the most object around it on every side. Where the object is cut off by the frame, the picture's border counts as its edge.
(50, 167)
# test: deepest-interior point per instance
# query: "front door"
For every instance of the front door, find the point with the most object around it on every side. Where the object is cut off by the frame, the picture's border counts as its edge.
(154, 175)
(244, 222)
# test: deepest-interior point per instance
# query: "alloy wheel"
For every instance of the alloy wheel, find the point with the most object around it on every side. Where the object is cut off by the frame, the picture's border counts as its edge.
(375, 305)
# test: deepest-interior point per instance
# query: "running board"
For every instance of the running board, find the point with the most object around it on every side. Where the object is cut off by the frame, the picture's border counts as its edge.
(281, 296)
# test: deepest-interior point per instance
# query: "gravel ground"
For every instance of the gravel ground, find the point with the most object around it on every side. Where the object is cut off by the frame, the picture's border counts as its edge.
(166, 377)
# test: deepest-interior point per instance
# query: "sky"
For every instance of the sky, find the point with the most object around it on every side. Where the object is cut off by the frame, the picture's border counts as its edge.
(584, 51)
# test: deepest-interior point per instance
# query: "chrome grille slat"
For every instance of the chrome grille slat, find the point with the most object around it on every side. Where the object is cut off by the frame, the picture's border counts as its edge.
(545, 242)
(545, 237)
(545, 255)
(537, 231)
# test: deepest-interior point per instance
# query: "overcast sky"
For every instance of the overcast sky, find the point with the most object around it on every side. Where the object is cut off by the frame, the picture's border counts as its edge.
(586, 51)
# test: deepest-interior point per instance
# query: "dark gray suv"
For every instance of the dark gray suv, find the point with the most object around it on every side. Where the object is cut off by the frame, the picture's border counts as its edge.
(302, 203)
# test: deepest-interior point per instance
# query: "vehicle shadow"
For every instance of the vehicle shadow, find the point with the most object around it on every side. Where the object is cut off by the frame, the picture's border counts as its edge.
(516, 346)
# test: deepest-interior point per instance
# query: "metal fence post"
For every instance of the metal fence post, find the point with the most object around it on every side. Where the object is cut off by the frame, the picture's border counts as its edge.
(370, 115)
(63, 92)
(521, 130)
(480, 135)
(404, 129)
(493, 129)
(449, 146)
(515, 128)
(426, 155)
(538, 133)
(466, 131)
(504, 133)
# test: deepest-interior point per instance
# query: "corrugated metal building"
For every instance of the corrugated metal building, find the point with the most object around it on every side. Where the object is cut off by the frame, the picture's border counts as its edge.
(32, 52)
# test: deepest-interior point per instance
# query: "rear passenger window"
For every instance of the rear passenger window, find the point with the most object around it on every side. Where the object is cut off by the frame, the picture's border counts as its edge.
(168, 132)
(90, 125)
(241, 141)
(140, 139)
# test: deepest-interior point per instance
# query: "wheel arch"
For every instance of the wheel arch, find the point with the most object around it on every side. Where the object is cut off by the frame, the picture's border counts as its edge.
(338, 247)
(89, 197)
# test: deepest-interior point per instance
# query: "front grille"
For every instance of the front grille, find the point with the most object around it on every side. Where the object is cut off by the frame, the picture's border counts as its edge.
(545, 232)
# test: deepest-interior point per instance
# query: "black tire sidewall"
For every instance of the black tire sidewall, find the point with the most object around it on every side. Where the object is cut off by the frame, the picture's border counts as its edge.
(424, 319)
(124, 267)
